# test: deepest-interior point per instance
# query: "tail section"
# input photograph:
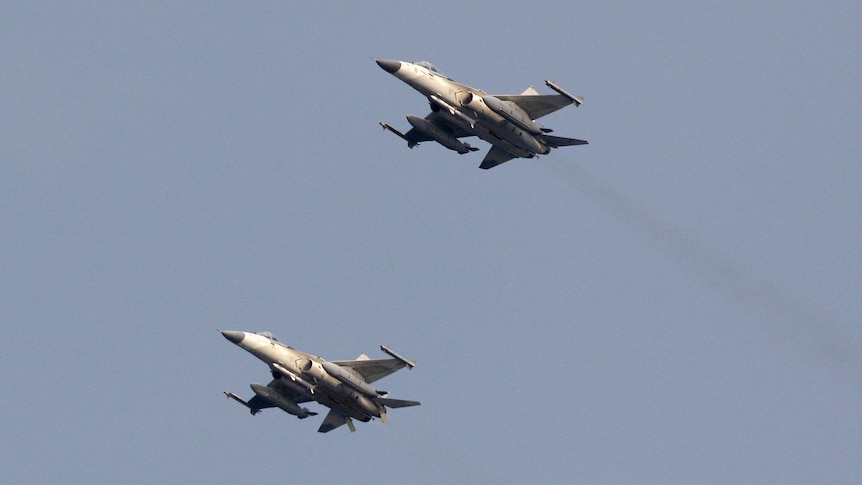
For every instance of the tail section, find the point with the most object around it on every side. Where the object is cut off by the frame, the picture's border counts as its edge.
(396, 403)
(559, 141)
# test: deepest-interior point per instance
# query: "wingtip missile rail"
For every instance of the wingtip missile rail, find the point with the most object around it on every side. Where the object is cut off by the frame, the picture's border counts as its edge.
(409, 363)
(387, 126)
(242, 401)
(576, 100)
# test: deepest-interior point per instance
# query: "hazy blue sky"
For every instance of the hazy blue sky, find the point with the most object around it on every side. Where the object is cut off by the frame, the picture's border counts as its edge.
(677, 302)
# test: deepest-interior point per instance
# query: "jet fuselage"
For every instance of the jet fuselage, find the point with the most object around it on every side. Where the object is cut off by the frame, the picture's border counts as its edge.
(342, 386)
(304, 373)
(507, 122)
(467, 107)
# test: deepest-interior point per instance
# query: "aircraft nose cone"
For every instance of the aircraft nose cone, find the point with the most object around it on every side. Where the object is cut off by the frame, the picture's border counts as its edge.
(389, 66)
(233, 336)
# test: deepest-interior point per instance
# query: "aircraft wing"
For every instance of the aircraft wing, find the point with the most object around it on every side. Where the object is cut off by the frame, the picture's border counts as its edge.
(332, 420)
(372, 370)
(257, 403)
(537, 105)
(559, 141)
(414, 136)
(396, 403)
(495, 157)
(444, 120)
(286, 391)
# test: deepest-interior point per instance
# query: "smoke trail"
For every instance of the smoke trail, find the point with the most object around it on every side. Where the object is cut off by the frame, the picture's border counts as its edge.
(792, 318)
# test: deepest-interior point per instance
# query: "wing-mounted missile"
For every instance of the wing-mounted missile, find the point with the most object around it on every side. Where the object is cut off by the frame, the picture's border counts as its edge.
(576, 100)
(524, 143)
(293, 377)
(349, 377)
(440, 136)
(435, 101)
(316, 371)
(283, 402)
(514, 114)
(387, 126)
(242, 401)
(409, 363)
(351, 390)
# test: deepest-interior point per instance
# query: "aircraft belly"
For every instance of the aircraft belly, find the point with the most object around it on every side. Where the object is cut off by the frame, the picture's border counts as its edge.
(504, 144)
(346, 408)
(498, 131)
(479, 130)
(523, 141)
(295, 387)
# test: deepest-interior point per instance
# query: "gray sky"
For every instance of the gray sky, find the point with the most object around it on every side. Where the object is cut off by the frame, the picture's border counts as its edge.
(677, 302)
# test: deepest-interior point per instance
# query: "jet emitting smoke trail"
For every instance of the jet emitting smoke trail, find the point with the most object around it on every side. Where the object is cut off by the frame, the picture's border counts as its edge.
(795, 320)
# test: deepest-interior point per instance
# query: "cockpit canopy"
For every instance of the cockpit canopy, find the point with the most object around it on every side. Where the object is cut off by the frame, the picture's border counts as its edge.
(430, 67)
(427, 65)
(268, 335)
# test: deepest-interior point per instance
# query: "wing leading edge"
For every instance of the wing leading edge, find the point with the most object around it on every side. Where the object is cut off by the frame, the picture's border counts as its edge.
(372, 369)
(495, 156)
(333, 420)
(537, 105)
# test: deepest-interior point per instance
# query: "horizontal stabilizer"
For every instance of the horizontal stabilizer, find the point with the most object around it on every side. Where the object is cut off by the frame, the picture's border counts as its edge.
(332, 420)
(396, 403)
(495, 156)
(559, 141)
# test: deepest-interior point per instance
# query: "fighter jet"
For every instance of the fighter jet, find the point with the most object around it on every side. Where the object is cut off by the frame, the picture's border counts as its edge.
(507, 122)
(343, 386)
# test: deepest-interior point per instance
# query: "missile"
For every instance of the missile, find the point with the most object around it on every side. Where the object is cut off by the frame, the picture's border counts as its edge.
(452, 110)
(347, 388)
(315, 371)
(577, 100)
(281, 401)
(349, 377)
(409, 363)
(387, 126)
(431, 130)
(514, 114)
(241, 401)
(293, 377)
